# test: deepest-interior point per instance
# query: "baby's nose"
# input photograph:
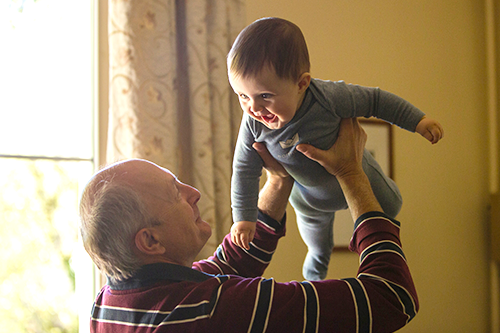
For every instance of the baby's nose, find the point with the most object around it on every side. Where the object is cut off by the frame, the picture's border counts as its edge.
(255, 107)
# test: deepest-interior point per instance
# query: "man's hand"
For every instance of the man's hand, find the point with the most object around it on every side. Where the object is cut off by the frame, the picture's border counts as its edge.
(430, 129)
(272, 166)
(346, 155)
(242, 233)
(344, 161)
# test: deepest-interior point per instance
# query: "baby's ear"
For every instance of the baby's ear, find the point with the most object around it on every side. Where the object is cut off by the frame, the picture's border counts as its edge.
(304, 81)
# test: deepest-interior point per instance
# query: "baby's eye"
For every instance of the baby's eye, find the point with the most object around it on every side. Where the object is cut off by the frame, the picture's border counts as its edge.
(243, 96)
(265, 96)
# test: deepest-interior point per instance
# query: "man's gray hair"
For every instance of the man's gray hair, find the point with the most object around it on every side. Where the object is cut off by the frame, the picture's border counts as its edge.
(111, 213)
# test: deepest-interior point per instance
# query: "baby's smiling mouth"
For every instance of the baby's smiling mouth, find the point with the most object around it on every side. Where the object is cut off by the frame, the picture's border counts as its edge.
(269, 118)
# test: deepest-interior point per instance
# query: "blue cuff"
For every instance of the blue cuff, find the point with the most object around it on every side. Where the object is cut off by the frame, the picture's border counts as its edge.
(272, 223)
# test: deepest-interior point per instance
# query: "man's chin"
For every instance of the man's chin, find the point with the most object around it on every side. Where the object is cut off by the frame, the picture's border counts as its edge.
(205, 228)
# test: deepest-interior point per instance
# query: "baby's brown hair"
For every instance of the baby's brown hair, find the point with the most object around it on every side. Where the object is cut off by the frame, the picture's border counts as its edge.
(273, 42)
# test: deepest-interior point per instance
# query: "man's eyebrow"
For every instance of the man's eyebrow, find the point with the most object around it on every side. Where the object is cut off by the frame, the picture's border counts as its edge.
(172, 183)
(174, 180)
(166, 191)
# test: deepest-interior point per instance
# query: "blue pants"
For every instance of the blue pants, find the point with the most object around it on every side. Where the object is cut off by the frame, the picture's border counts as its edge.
(315, 208)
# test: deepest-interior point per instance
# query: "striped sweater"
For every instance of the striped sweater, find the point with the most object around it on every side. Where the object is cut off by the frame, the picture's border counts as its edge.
(225, 293)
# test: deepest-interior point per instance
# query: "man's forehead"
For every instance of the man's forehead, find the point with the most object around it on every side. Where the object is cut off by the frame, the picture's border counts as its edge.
(138, 171)
(148, 178)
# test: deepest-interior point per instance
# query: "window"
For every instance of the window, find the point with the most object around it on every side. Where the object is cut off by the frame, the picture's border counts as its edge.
(46, 156)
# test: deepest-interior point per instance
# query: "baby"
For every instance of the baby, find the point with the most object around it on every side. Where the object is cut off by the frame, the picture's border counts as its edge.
(268, 68)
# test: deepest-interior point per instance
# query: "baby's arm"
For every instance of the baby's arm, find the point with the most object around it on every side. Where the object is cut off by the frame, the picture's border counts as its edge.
(242, 233)
(430, 129)
(271, 202)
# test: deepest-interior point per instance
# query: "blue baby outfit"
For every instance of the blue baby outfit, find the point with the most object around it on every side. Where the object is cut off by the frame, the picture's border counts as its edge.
(316, 194)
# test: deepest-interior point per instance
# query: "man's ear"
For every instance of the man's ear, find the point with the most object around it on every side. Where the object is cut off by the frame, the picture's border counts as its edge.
(147, 242)
(304, 81)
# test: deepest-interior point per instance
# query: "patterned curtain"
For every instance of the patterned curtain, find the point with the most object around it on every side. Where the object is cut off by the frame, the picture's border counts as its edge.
(170, 100)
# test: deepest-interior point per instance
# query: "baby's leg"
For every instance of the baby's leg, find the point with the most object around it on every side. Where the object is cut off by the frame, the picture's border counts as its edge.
(317, 232)
(385, 189)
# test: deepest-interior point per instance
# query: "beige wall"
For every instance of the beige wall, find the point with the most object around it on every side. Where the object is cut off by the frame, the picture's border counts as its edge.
(432, 53)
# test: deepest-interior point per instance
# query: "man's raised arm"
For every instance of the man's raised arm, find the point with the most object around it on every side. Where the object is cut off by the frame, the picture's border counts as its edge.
(273, 198)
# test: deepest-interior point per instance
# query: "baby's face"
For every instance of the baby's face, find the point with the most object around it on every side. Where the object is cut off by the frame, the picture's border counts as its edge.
(267, 98)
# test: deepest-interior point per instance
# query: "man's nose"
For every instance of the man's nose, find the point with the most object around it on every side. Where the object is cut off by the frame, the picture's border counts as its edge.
(194, 195)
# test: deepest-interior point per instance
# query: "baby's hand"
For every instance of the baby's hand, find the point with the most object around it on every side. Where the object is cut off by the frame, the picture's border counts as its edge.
(430, 129)
(242, 233)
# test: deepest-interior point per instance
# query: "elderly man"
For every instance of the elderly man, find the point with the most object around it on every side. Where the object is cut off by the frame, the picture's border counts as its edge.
(142, 228)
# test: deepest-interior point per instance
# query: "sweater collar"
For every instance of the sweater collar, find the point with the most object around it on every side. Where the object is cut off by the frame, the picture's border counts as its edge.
(152, 273)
